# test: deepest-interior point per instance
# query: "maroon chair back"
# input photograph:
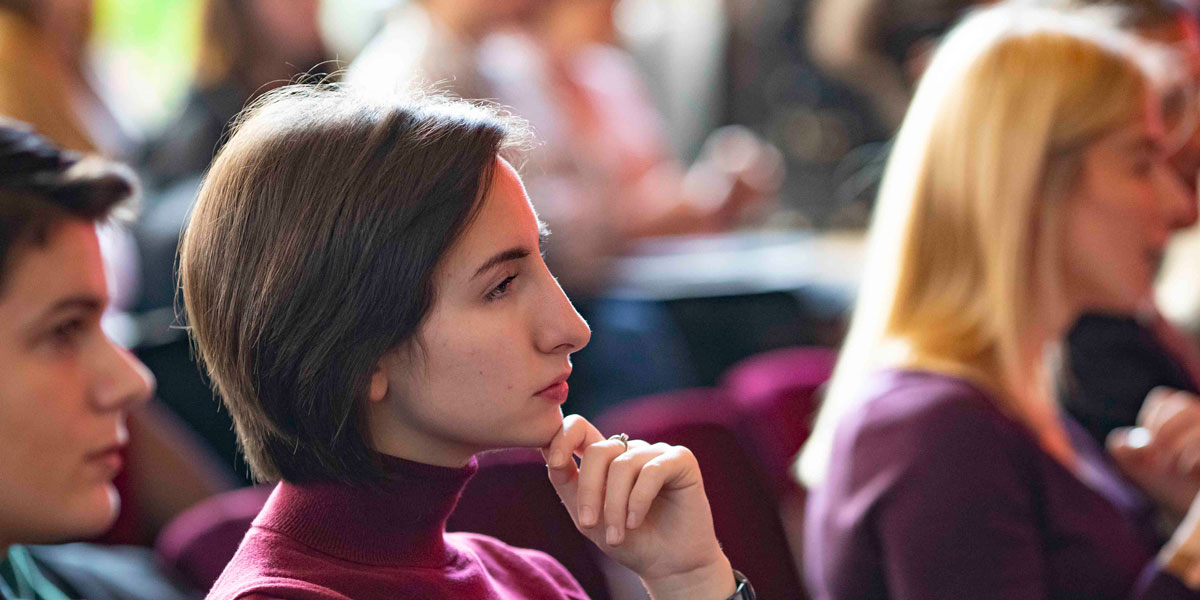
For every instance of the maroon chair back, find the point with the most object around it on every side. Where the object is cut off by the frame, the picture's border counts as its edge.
(512, 500)
(201, 541)
(776, 395)
(745, 511)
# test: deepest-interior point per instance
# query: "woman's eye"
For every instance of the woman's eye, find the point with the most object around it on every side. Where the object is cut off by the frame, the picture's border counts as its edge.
(500, 290)
(67, 333)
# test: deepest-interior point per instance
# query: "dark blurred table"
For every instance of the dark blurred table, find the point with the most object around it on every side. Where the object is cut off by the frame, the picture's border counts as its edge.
(681, 310)
(741, 263)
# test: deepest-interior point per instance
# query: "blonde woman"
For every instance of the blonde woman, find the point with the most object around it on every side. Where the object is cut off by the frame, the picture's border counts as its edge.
(1029, 183)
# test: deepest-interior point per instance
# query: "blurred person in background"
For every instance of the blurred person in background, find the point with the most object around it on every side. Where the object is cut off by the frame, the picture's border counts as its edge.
(46, 81)
(433, 43)
(880, 47)
(605, 174)
(68, 388)
(247, 48)
(1113, 359)
(46, 77)
(940, 465)
(556, 64)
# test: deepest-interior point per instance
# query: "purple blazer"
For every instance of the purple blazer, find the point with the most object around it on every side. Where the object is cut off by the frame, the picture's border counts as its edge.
(933, 493)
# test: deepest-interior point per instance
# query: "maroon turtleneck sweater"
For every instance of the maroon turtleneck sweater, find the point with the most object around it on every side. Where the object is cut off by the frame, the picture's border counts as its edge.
(330, 541)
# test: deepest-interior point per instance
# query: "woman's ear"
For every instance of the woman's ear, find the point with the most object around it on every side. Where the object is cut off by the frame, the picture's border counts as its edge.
(378, 390)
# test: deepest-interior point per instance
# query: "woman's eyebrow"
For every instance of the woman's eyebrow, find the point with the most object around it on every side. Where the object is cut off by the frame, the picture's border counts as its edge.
(502, 257)
(516, 253)
(84, 303)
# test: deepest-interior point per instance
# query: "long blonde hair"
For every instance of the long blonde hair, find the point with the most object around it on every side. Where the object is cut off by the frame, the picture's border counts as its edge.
(970, 200)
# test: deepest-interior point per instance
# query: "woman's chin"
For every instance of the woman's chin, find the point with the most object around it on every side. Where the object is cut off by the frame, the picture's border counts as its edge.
(1126, 301)
(91, 515)
(538, 434)
(102, 511)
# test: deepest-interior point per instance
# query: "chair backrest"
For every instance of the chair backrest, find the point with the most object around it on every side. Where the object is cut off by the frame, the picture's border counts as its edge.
(745, 511)
(776, 395)
(512, 500)
(201, 541)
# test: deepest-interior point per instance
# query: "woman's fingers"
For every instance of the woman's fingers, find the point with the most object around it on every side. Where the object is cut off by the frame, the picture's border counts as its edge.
(1130, 450)
(1187, 459)
(593, 474)
(1161, 404)
(616, 482)
(1173, 419)
(674, 464)
(623, 472)
(633, 478)
(576, 433)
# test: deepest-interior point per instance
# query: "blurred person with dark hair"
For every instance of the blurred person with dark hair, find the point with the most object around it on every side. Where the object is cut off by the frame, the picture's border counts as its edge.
(879, 47)
(247, 47)
(1113, 360)
(68, 388)
(46, 79)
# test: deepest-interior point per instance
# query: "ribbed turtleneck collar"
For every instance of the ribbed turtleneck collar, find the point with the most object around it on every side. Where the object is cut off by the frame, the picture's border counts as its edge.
(404, 522)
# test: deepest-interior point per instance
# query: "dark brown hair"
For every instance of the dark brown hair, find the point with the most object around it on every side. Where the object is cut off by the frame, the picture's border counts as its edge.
(311, 252)
(42, 185)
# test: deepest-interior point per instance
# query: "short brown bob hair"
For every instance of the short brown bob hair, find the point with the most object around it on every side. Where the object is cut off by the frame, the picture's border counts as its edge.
(311, 252)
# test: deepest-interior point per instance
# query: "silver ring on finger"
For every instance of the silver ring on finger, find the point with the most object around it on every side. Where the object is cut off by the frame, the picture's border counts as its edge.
(624, 439)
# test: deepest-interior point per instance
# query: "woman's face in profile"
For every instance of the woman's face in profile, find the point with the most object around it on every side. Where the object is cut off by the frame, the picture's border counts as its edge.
(493, 355)
(65, 395)
(1119, 216)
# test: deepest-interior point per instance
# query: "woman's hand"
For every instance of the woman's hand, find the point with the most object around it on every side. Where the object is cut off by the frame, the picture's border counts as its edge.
(1162, 454)
(644, 506)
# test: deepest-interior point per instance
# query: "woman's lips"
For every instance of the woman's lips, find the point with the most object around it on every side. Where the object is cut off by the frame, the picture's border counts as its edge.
(109, 460)
(556, 393)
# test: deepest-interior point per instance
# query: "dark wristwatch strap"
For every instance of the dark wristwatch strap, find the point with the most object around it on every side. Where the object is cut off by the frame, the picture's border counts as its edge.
(744, 590)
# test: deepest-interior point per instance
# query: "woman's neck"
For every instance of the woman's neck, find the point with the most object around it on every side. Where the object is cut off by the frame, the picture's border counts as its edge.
(1034, 389)
(421, 447)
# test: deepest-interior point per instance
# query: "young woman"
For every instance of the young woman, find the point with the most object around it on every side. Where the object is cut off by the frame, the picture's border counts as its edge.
(363, 280)
(1029, 184)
